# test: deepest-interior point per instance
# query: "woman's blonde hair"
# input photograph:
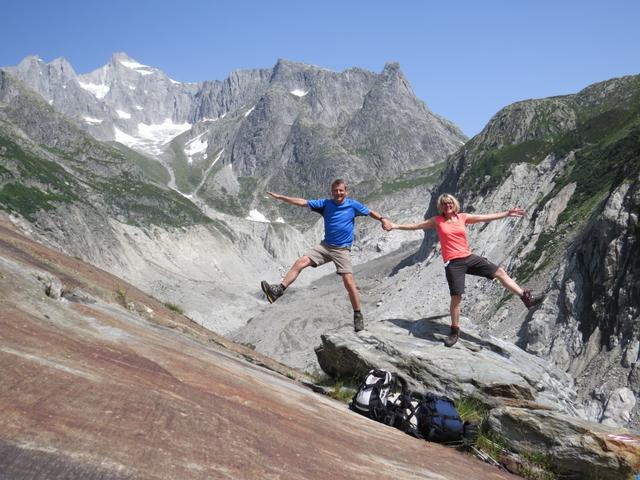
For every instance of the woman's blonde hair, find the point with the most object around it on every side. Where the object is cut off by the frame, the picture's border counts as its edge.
(445, 198)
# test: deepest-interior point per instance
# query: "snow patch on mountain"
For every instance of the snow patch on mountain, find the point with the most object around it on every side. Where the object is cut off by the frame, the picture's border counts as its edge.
(92, 121)
(209, 119)
(194, 147)
(123, 114)
(298, 92)
(138, 67)
(99, 91)
(125, 139)
(256, 216)
(152, 138)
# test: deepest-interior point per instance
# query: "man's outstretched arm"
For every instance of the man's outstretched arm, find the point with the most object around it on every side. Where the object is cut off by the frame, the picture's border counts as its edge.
(386, 223)
(299, 202)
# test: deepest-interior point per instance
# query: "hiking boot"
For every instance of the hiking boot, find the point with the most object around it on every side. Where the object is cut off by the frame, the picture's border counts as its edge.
(529, 299)
(273, 292)
(452, 339)
(358, 321)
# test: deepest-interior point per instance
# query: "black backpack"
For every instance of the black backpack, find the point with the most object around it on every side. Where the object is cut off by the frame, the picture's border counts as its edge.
(438, 420)
(374, 397)
(434, 418)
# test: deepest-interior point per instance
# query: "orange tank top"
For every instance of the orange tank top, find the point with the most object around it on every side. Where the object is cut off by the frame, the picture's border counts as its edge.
(453, 237)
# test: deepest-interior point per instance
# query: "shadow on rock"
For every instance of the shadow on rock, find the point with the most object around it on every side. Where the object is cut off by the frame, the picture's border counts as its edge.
(426, 328)
(430, 329)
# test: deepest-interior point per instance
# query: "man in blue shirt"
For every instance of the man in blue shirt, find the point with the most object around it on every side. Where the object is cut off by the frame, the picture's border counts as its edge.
(339, 213)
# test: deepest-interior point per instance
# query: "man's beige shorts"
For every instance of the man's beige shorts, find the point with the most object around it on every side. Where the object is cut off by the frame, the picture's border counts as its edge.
(323, 253)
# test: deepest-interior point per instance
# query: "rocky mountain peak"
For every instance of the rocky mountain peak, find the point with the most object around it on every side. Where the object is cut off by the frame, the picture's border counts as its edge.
(392, 68)
(295, 75)
(394, 80)
(121, 61)
(30, 60)
(61, 63)
(529, 120)
(122, 56)
(62, 69)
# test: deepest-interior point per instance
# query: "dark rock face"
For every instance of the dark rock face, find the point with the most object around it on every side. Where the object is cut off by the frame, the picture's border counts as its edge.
(607, 262)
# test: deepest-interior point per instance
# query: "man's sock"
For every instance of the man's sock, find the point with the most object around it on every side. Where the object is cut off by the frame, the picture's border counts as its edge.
(283, 287)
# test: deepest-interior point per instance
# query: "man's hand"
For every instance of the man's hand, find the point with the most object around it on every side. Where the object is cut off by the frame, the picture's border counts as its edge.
(386, 224)
(515, 212)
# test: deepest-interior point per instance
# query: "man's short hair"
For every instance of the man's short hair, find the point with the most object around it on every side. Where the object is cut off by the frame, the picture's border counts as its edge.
(338, 181)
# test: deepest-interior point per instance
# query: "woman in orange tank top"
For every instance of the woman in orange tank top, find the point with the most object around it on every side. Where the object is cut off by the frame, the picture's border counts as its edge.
(459, 261)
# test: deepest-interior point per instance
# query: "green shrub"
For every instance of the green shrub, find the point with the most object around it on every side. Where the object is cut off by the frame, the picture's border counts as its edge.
(174, 308)
(121, 295)
(341, 392)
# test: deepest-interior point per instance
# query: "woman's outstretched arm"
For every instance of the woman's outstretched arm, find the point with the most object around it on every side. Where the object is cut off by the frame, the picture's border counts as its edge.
(489, 217)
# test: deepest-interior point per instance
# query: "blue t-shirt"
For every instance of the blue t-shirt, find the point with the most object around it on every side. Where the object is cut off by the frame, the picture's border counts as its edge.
(338, 219)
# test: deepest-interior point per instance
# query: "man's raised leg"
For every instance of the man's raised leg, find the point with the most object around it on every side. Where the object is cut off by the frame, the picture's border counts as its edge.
(273, 291)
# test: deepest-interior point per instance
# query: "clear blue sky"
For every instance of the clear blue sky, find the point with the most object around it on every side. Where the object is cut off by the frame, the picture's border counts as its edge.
(465, 59)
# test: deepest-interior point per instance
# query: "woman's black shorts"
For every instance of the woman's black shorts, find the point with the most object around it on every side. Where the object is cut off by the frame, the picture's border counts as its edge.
(457, 268)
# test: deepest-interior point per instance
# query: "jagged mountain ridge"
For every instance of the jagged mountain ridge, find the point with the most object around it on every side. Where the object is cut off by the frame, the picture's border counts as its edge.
(292, 127)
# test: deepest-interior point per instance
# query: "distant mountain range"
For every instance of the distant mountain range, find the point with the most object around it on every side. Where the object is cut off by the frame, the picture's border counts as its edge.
(293, 127)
